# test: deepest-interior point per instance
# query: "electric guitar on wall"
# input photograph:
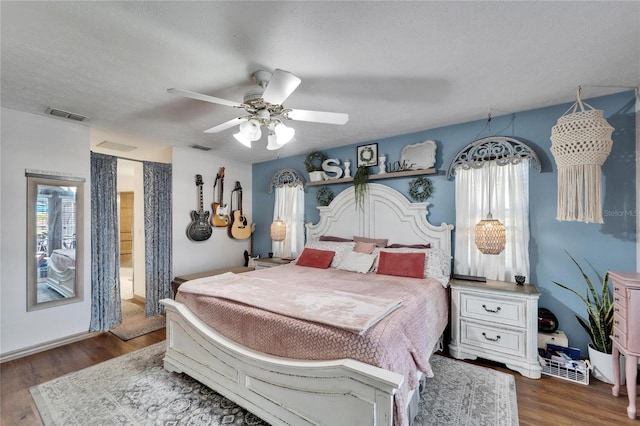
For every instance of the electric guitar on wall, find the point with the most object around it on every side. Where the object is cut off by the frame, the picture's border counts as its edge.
(220, 215)
(199, 229)
(239, 228)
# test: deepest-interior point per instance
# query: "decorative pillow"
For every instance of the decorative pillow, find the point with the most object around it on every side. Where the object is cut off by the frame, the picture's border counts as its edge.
(334, 239)
(380, 242)
(437, 264)
(357, 262)
(367, 248)
(401, 264)
(338, 247)
(418, 246)
(315, 258)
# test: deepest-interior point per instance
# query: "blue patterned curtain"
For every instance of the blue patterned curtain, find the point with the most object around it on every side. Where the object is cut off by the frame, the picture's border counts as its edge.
(157, 235)
(106, 311)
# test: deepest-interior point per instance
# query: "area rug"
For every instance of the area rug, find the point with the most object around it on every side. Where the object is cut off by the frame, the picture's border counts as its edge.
(134, 323)
(135, 389)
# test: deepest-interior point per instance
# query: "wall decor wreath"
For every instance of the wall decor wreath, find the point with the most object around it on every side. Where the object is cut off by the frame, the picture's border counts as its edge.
(420, 188)
(314, 160)
(324, 196)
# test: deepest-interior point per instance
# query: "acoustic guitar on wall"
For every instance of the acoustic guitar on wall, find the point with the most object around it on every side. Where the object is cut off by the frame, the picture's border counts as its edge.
(199, 229)
(239, 228)
(220, 211)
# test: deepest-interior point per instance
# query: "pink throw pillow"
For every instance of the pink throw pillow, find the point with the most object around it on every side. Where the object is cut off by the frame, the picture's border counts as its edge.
(362, 247)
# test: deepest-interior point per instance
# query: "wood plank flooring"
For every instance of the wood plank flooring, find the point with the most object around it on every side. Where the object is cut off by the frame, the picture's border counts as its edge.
(548, 401)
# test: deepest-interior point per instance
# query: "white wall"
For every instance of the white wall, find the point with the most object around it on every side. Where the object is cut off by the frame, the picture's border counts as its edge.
(219, 250)
(33, 142)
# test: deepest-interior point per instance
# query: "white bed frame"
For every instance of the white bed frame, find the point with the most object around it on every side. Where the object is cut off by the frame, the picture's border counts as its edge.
(285, 391)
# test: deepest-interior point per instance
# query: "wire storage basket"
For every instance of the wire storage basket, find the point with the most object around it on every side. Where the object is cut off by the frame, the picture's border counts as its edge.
(573, 371)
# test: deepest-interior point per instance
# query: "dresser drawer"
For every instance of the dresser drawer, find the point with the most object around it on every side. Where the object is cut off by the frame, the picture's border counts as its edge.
(619, 323)
(620, 336)
(495, 309)
(509, 342)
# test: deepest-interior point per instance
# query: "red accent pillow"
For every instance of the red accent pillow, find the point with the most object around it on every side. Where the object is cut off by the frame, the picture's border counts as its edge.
(402, 264)
(315, 258)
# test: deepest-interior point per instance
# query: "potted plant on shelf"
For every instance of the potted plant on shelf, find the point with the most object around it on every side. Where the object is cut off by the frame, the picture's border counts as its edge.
(360, 181)
(598, 325)
(313, 165)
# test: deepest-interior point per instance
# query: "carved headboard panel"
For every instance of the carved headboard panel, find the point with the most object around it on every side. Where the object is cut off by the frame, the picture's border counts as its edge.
(386, 214)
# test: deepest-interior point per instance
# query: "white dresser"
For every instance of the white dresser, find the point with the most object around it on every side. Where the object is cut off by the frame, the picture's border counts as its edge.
(497, 321)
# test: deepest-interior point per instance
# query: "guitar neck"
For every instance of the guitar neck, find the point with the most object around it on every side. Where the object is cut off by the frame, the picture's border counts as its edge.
(201, 206)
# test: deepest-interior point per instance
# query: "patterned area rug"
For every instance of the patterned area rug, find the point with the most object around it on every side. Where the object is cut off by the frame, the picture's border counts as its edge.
(134, 323)
(134, 389)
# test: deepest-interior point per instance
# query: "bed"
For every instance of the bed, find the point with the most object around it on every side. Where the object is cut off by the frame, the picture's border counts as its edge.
(61, 271)
(298, 391)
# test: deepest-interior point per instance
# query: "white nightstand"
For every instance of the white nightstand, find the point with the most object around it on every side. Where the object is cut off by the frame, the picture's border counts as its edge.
(270, 262)
(497, 321)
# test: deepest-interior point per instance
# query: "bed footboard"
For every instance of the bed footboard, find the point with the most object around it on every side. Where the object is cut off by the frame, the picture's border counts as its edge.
(281, 391)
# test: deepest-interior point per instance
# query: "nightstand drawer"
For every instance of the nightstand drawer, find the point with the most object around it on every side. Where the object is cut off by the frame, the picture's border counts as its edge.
(500, 310)
(510, 342)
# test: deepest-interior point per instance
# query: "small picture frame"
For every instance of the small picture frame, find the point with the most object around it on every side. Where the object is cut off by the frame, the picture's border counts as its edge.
(367, 155)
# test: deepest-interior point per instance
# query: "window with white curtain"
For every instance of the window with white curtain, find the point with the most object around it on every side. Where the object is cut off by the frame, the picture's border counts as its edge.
(289, 207)
(504, 190)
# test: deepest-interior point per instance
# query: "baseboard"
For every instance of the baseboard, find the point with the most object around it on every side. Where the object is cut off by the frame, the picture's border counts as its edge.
(9, 356)
(139, 299)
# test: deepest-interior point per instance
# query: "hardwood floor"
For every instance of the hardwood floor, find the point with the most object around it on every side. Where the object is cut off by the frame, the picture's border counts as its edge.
(548, 401)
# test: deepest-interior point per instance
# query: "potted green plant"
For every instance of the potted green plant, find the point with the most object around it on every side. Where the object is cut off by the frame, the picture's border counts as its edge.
(598, 325)
(360, 181)
(313, 165)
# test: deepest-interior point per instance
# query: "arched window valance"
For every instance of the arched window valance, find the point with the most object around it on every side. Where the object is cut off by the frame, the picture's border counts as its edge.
(501, 149)
(288, 177)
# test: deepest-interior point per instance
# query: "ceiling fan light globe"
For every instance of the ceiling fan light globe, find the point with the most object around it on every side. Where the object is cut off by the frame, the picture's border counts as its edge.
(284, 133)
(272, 142)
(243, 139)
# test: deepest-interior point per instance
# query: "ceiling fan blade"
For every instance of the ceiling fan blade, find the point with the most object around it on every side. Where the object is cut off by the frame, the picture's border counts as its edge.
(226, 125)
(201, 97)
(281, 85)
(318, 116)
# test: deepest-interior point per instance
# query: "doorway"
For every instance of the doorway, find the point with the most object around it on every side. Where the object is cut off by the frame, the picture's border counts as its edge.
(126, 207)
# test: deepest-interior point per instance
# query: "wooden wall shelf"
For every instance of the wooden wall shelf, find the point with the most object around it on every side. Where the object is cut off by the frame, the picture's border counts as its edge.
(389, 175)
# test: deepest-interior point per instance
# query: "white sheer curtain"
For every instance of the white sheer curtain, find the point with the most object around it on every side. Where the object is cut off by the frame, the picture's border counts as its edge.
(508, 186)
(289, 207)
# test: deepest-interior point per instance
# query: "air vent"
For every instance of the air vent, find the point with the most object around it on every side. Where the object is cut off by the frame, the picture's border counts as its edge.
(201, 148)
(117, 146)
(66, 114)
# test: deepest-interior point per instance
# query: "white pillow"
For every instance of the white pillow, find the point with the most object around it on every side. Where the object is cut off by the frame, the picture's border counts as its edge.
(437, 265)
(357, 262)
(338, 247)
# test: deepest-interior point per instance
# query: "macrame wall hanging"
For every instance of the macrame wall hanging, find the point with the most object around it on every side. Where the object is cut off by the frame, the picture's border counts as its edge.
(580, 143)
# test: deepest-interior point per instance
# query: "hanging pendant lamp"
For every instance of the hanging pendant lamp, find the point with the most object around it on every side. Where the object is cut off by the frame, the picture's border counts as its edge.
(491, 236)
(278, 230)
(580, 143)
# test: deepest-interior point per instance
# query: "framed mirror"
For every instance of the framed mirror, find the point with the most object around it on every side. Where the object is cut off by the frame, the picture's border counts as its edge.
(55, 217)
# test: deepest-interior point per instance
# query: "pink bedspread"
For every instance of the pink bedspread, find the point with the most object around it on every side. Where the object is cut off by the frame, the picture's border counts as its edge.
(400, 342)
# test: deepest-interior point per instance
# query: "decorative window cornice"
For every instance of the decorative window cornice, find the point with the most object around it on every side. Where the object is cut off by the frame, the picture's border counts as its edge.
(288, 177)
(501, 149)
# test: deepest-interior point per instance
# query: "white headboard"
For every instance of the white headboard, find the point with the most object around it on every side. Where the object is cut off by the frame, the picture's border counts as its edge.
(386, 214)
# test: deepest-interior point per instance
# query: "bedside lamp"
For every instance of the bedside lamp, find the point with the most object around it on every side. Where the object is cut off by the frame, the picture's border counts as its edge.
(278, 230)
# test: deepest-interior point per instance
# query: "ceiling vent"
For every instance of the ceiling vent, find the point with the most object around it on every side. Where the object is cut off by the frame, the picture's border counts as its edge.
(201, 148)
(116, 146)
(65, 114)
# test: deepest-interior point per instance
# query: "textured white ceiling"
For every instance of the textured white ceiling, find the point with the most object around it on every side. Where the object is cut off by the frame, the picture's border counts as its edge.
(394, 67)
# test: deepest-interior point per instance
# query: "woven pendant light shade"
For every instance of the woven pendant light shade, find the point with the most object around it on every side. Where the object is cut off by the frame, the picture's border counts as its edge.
(278, 230)
(580, 143)
(490, 236)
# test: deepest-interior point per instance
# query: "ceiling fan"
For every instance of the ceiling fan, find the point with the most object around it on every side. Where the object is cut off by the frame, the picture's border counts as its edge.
(263, 105)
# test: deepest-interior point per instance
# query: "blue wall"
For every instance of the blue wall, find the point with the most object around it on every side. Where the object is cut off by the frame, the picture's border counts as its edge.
(606, 246)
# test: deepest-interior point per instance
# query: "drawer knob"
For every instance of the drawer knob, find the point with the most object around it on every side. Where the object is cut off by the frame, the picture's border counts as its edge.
(616, 299)
(491, 310)
(616, 322)
(489, 338)
(616, 288)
